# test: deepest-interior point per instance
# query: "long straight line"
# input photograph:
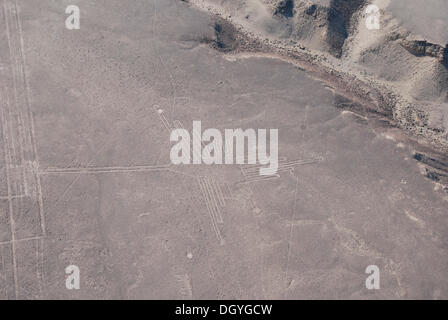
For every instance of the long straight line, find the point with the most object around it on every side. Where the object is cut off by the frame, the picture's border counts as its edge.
(21, 240)
(31, 120)
(87, 170)
(11, 215)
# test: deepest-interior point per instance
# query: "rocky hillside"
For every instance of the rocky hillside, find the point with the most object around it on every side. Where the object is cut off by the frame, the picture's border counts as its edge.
(392, 72)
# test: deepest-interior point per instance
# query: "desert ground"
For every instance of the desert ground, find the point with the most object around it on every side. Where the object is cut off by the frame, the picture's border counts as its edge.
(86, 177)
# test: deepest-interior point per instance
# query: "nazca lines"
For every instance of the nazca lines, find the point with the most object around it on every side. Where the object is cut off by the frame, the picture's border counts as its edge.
(90, 170)
(251, 173)
(16, 115)
(210, 188)
(20, 150)
(185, 286)
(165, 122)
(177, 124)
(215, 201)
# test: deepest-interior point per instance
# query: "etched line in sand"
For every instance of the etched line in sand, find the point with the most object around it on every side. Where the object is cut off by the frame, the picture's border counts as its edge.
(91, 170)
(19, 141)
(34, 162)
(21, 240)
(185, 286)
(10, 206)
(213, 199)
(251, 172)
(211, 205)
(161, 114)
(13, 197)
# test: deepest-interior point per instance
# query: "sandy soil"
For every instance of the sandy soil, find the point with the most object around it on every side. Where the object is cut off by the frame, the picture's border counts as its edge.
(86, 177)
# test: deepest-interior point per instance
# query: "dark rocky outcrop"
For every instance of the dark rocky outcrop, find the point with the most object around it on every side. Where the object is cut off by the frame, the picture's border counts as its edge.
(339, 18)
(285, 8)
(422, 48)
(225, 36)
